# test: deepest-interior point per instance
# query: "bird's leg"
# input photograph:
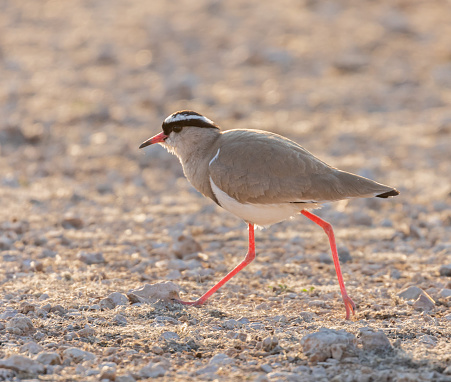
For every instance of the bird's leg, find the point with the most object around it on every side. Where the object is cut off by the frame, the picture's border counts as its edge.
(247, 260)
(349, 304)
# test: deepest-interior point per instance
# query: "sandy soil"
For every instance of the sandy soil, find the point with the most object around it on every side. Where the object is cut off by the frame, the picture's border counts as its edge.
(364, 85)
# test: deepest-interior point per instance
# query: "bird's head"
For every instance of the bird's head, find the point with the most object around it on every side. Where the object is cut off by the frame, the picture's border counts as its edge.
(179, 129)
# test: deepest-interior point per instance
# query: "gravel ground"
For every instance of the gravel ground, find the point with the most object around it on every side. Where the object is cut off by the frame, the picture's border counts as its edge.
(87, 220)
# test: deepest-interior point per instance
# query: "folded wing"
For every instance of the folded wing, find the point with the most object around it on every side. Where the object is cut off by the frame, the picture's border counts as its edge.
(265, 168)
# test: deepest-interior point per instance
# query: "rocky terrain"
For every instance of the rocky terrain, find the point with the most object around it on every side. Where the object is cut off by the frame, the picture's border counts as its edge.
(97, 237)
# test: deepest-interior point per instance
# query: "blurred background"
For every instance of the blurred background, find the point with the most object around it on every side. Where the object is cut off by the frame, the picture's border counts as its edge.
(364, 85)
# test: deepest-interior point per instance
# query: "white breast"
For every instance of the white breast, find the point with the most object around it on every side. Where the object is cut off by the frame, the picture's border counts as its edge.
(259, 214)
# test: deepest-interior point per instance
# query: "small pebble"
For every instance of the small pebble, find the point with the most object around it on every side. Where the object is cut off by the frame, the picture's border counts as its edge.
(307, 316)
(328, 343)
(428, 340)
(157, 350)
(269, 343)
(38, 336)
(5, 243)
(210, 369)
(58, 309)
(8, 313)
(185, 245)
(230, 324)
(120, 319)
(77, 355)
(47, 307)
(152, 371)
(395, 274)
(108, 372)
(153, 292)
(22, 364)
(20, 325)
(221, 360)
(410, 293)
(118, 298)
(445, 270)
(344, 254)
(87, 331)
(31, 347)
(170, 336)
(72, 222)
(125, 378)
(49, 358)
(166, 320)
(266, 368)
(374, 340)
(174, 274)
(424, 303)
(106, 304)
(317, 304)
(90, 257)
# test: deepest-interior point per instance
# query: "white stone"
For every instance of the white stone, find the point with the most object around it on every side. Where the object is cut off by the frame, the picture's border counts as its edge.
(108, 372)
(49, 358)
(210, 369)
(106, 304)
(230, 324)
(319, 346)
(221, 359)
(445, 293)
(374, 340)
(31, 348)
(424, 303)
(160, 291)
(87, 331)
(118, 298)
(22, 364)
(120, 319)
(269, 343)
(170, 336)
(185, 245)
(152, 371)
(266, 368)
(20, 325)
(125, 378)
(410, 293)
(77, 355)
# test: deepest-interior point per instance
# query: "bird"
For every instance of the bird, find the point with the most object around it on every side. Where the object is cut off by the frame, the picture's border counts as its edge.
(260, 177)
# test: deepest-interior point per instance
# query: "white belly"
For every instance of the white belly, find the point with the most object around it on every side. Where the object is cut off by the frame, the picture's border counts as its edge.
(259, 214)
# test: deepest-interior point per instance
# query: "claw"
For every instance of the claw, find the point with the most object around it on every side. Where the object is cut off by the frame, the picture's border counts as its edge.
(350, 306)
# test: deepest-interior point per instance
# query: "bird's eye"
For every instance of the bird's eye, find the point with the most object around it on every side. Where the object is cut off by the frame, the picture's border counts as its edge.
(177, 129)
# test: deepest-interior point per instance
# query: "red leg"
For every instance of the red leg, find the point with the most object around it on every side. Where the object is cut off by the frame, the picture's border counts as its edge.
(349, 304)
(247, 260)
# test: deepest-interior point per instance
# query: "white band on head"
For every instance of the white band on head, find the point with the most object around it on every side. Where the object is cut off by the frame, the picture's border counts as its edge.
(181, 117)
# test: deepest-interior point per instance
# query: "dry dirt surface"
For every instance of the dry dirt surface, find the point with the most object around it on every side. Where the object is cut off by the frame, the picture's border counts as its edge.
(97, 237)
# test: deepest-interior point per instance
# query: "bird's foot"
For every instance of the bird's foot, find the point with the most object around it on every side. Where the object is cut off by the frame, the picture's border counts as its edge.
(192, 303)
(349, 305)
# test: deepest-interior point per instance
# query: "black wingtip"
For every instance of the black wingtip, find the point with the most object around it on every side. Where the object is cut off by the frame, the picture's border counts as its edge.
(393, 192)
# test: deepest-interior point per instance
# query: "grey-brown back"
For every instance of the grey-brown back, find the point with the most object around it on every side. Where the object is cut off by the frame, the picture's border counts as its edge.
(264, 168)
